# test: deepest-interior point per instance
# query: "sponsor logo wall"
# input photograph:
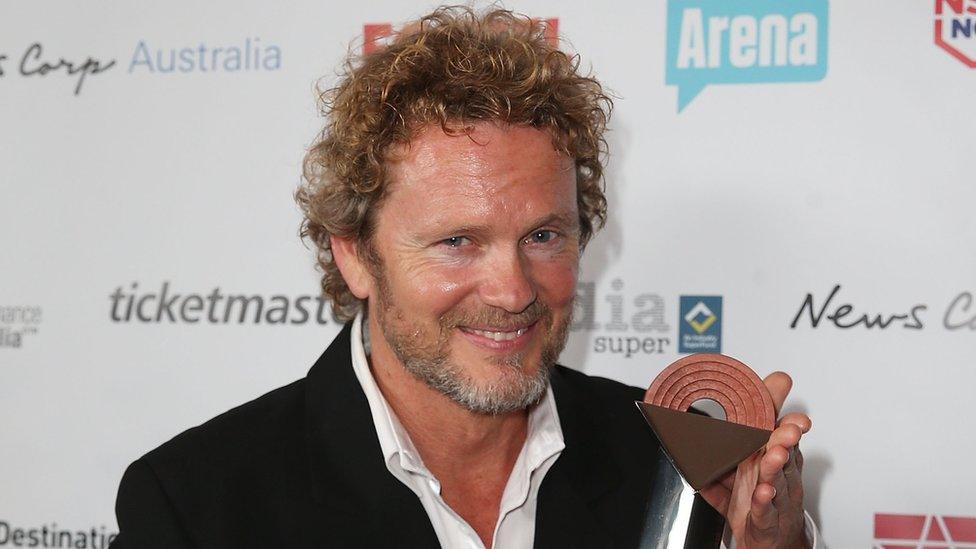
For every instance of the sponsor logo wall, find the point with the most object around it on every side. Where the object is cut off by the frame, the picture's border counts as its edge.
(807, 206)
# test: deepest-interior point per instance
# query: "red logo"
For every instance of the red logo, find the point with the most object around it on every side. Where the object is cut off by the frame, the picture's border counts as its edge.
(955, 29)
(378, 35)
(924, 532)
(551, 30)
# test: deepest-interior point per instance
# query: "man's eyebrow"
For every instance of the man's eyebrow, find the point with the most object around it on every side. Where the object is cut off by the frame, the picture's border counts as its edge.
(466, 229)
(563, 219)
(558, 218)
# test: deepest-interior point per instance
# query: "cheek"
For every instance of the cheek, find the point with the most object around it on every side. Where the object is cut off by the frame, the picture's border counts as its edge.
(421, 286)
(434, 290)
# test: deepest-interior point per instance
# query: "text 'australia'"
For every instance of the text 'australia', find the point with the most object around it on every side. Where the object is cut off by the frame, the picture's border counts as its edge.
(248, 55)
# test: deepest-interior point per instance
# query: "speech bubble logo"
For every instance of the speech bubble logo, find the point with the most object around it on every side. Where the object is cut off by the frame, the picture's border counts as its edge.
(744, 42)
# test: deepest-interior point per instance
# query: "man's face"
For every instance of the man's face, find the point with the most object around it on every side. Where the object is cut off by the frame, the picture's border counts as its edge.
(478, 240)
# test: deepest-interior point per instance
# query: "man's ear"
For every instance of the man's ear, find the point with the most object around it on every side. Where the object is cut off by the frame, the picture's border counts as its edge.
(345, 252)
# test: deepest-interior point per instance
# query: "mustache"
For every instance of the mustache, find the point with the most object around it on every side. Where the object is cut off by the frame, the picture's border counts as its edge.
(497, 318)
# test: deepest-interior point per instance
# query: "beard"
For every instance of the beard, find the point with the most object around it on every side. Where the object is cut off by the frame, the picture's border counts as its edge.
(427, 356)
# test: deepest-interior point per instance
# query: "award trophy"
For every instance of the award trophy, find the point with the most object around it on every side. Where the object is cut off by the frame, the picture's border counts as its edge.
(696, 450)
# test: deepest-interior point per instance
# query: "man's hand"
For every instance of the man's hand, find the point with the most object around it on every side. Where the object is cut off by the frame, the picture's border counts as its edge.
(762, 500)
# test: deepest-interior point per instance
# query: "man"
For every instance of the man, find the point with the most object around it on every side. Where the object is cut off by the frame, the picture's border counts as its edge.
(450, 196)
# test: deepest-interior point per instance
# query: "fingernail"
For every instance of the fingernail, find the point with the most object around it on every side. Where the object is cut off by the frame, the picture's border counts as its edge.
(774, 491)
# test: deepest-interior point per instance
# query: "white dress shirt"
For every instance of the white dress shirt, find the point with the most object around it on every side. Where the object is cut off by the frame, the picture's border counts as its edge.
(516, 517)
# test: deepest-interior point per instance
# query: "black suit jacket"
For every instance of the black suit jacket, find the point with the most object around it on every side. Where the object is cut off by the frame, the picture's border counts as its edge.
(301, 467)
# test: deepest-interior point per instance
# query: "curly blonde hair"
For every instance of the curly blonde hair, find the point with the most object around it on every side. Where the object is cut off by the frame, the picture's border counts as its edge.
(453, 67)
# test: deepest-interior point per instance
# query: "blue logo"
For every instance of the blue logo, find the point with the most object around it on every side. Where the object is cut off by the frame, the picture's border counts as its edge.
(249, 55)
(700, 325)
(744, 42)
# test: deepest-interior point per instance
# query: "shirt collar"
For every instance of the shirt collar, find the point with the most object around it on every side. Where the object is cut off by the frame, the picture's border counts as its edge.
(544, 436)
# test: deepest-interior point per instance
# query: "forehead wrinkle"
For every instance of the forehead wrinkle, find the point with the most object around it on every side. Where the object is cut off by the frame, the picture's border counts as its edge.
(477, 152)
(477, 171)
(468, 171)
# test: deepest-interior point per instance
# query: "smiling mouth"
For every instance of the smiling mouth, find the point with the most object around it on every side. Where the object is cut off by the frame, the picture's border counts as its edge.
(497, 335)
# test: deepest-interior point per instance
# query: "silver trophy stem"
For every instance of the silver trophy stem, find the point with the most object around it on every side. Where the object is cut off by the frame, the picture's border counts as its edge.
(674, 517)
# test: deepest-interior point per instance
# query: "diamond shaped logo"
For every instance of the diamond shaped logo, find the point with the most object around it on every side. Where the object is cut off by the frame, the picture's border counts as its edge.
(700, 330)
(700, 311)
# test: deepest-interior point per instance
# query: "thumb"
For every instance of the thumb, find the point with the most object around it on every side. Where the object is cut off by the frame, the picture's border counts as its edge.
(778, 384)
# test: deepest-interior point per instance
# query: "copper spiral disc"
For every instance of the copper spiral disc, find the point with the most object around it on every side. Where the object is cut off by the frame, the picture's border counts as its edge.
(730, 383)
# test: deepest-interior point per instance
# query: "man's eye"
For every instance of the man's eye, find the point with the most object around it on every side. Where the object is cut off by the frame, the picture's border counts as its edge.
(455, 241)
(541, 237)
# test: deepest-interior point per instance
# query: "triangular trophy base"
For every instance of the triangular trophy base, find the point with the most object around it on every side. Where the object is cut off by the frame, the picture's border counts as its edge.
(701, 448)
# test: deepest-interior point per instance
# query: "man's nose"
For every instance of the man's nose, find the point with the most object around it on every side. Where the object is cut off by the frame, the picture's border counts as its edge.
(507, 282)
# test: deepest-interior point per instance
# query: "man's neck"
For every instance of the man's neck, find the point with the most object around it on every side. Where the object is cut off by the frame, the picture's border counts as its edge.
(471, 455)
(452, 440)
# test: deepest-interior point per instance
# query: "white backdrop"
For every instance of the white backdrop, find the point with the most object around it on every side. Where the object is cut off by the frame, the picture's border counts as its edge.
(764, 193)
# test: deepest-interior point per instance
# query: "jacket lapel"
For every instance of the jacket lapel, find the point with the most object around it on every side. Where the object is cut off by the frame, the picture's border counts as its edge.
(570, 495)
(579, 503)
(345, 461)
